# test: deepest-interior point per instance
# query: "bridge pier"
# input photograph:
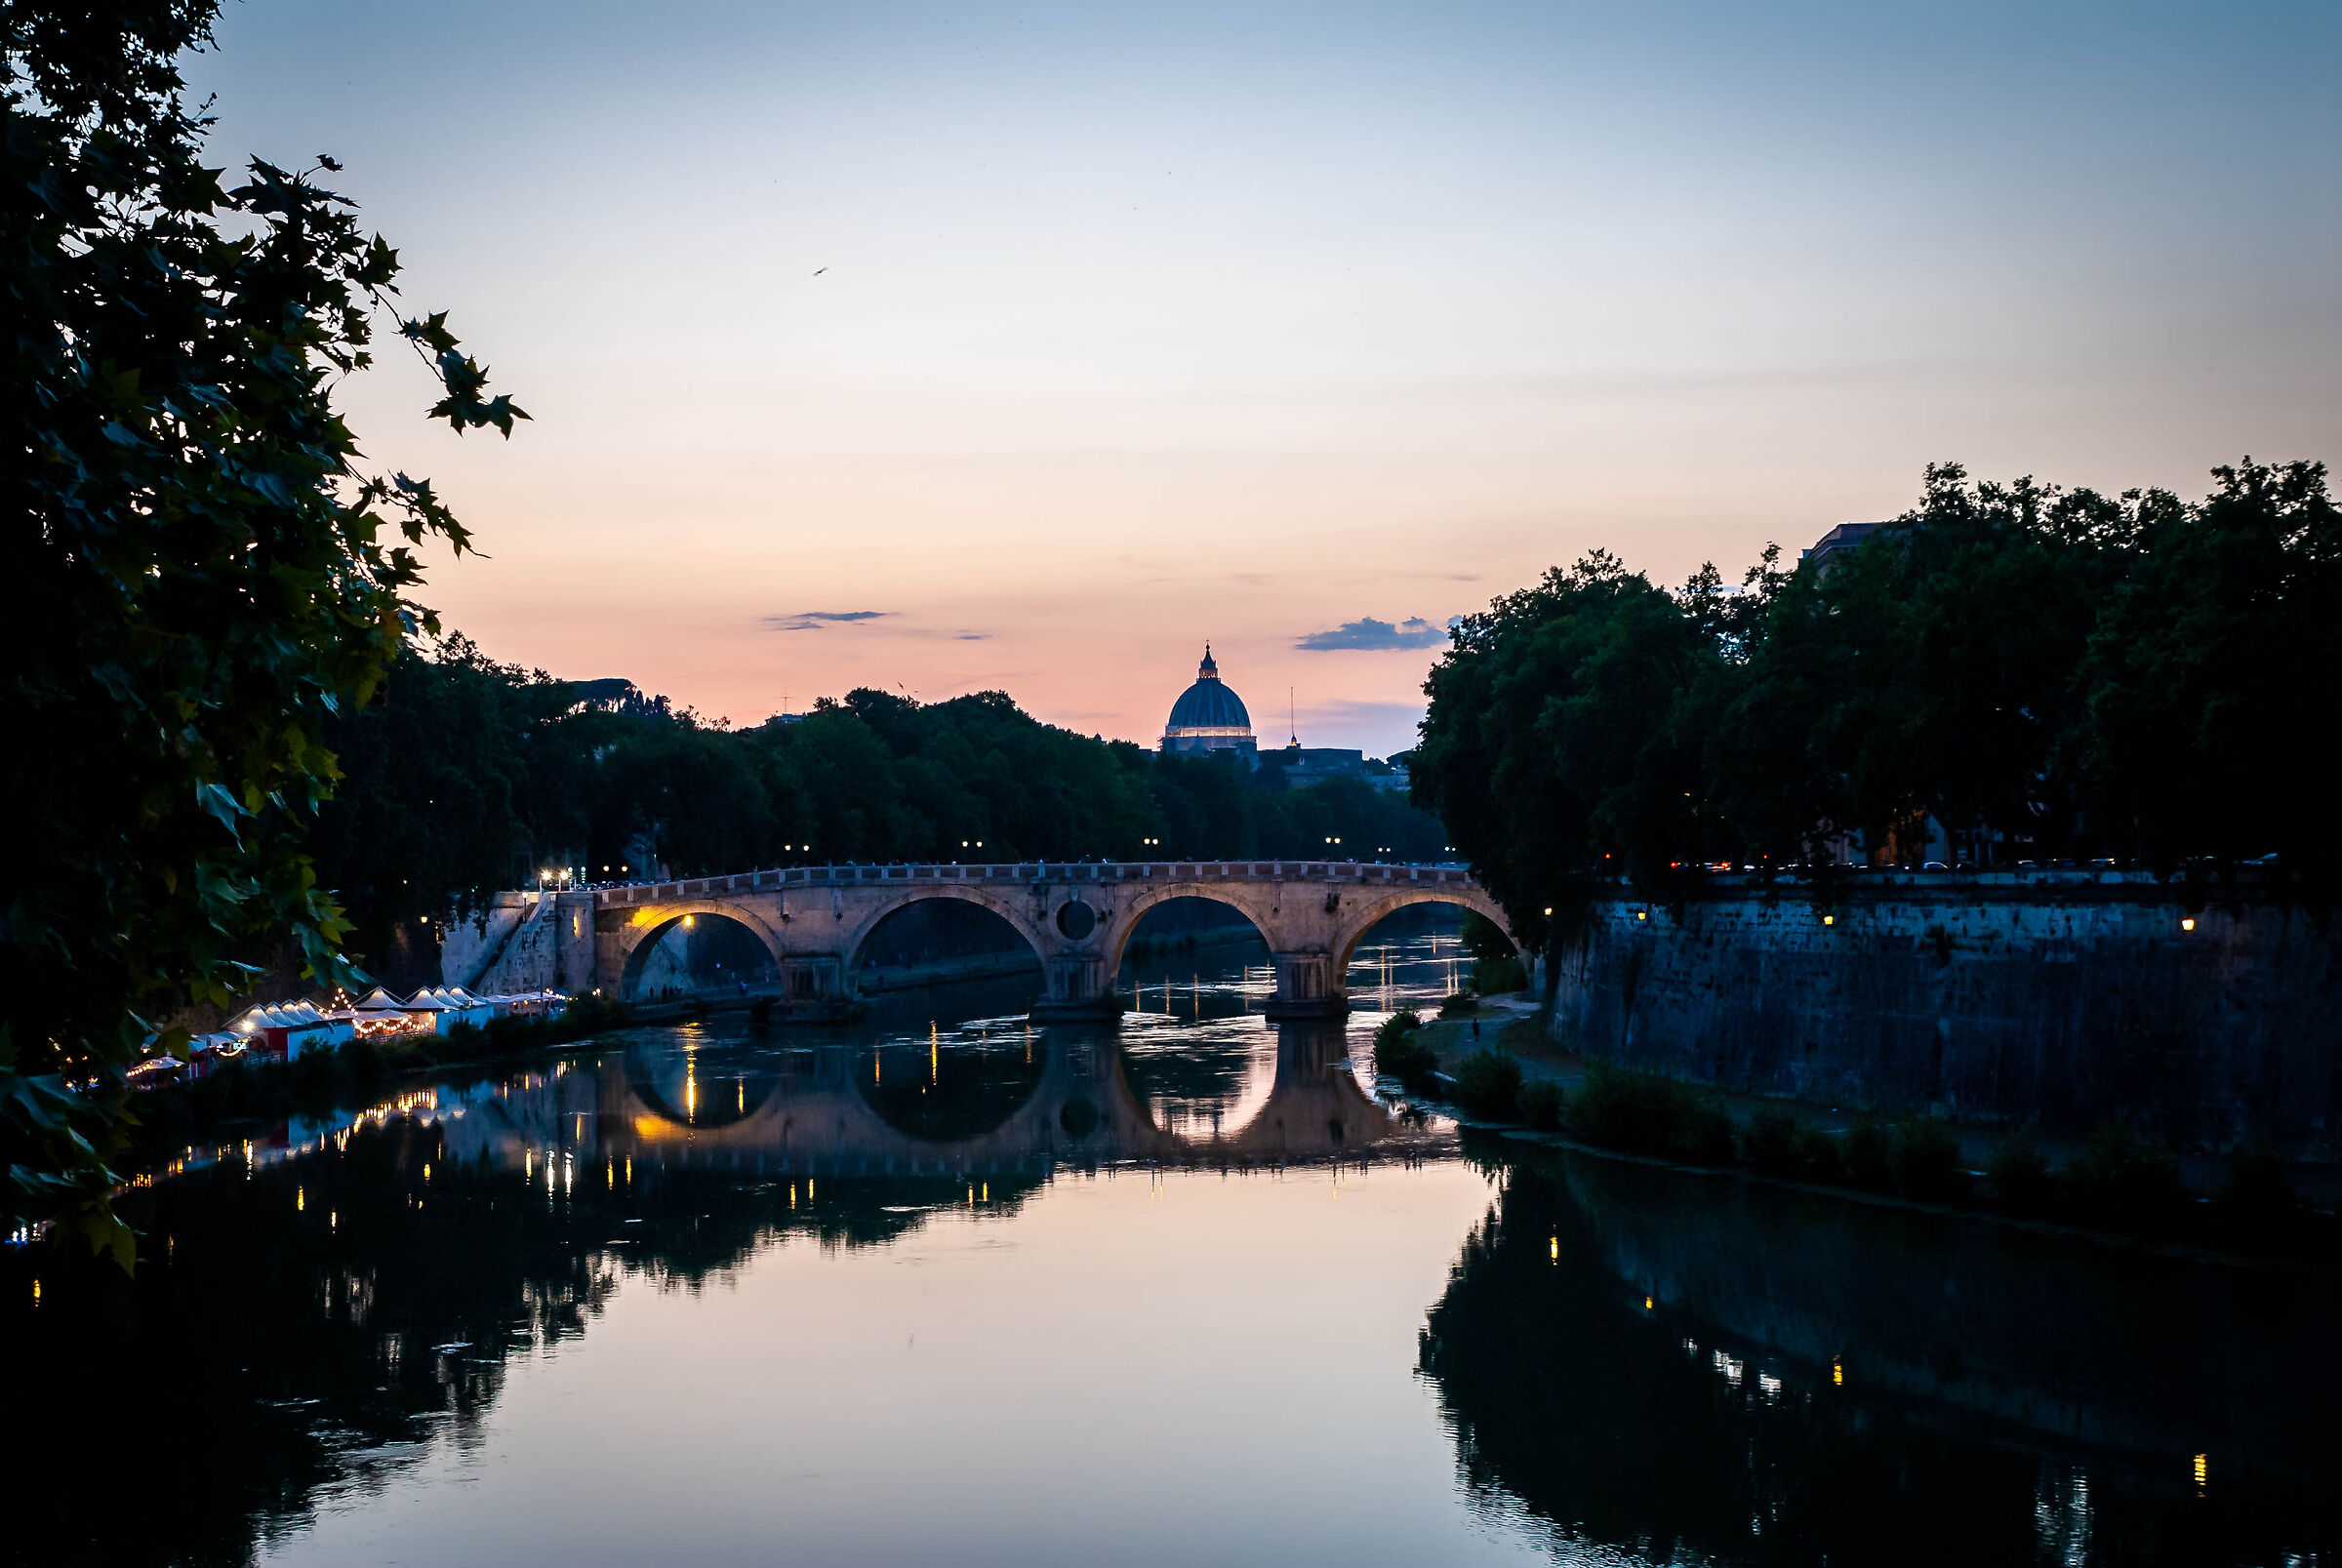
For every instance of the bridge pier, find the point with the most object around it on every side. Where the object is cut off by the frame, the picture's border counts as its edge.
(814, 989)
(1307, 987)
(1079, 987)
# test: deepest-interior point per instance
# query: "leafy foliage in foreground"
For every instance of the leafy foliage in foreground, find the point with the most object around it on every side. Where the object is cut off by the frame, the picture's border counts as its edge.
(2046, 676)
(200, 577)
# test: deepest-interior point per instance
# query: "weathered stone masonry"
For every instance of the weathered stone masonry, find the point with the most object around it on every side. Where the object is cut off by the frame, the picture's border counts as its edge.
(2066, 998)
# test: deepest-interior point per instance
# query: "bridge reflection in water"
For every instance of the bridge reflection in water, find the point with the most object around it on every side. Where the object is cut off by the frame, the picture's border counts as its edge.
(1631, 1364)
(992, 1098)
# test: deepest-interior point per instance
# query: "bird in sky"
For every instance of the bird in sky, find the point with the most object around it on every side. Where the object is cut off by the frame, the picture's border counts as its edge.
(819, 270)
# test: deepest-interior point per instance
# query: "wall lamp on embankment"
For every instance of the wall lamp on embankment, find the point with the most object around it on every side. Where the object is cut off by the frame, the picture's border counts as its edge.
(2186, 922)
(1829, 919)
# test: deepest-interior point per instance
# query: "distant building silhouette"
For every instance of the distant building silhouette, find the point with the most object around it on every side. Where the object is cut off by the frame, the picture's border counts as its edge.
(1843, 539)
(1210, 717)
(617, 695)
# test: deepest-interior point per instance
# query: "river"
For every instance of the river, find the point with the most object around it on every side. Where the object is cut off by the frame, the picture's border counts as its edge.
(941, 1287)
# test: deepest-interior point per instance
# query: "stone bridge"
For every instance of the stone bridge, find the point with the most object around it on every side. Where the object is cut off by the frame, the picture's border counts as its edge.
(820, 1115)
(1076, 916)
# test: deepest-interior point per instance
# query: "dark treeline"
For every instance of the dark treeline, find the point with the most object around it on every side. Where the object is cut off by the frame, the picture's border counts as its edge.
(2007, 672)
(466, 775)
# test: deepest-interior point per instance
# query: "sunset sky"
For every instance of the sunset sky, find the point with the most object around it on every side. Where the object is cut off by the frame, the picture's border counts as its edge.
(958, 347)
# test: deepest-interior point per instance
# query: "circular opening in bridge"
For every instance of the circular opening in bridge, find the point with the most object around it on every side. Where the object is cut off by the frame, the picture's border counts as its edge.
(1077, 919)
(703, 955)
(1420, 955)
(946, 957)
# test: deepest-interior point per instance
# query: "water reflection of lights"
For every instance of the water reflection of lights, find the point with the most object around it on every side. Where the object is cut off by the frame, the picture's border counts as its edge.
(302, 1134)
(1159, 1049)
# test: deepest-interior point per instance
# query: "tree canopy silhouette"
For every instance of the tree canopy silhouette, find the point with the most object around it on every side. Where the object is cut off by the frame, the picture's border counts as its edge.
(201, 573)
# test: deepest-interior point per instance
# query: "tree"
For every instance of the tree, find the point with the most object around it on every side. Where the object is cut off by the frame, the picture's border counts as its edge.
(1550, 749)
(2201, 699)
(199, 574)
(453, 783)
(2045, 675)
(1929, 673)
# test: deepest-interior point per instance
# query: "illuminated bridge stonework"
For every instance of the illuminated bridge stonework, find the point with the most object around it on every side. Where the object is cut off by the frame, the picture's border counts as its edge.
(1077, 919)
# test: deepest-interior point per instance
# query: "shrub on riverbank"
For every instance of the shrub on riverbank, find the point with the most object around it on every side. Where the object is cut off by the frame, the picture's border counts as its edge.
(1398, 1054)
(1488, 1084)
(1926, 1161)
(2017, 1175)
(1644, 1113)
(1775, 1143)
(510, 1036)
(2119, 1181)
(2114, 1184)
(1540, 1105)
(1499, 977)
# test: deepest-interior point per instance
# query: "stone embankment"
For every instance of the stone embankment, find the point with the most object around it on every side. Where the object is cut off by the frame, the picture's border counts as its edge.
(2208, 1017)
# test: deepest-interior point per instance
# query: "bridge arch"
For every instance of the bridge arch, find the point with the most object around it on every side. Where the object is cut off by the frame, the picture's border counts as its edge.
(1019, 921)
(648, 927)
(1124, 921)
(1355, 926)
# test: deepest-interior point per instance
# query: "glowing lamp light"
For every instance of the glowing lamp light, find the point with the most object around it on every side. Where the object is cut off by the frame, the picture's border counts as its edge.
(1829, 919)
(1549, 909)
(2188, 923)
(2203, 1467)
(1642, 914)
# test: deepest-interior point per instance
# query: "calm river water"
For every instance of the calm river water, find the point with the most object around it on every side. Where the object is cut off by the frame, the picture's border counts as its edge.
(944, 1288)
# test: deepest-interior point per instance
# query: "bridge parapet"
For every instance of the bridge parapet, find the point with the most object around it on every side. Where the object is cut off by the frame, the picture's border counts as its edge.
(1027, 872)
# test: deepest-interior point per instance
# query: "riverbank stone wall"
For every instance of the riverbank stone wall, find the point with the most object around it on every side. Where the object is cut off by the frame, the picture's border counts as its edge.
(2206, 1016)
